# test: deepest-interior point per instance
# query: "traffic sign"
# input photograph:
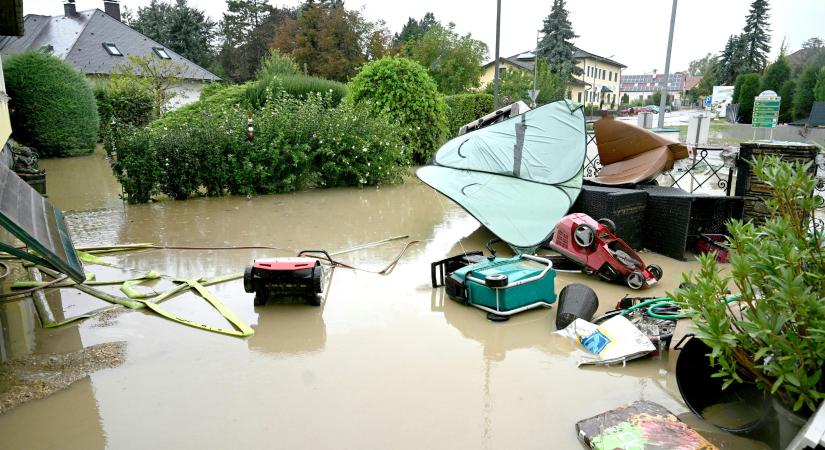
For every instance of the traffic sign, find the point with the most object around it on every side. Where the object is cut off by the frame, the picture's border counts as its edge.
(766, 110)
(708, 101)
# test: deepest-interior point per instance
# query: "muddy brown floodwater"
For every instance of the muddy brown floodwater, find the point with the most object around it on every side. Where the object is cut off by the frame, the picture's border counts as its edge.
(385, 362)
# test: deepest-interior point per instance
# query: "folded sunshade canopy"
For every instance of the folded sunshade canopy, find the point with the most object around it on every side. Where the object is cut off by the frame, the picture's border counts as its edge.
(630, 154)
(40, 226)
(517, 177)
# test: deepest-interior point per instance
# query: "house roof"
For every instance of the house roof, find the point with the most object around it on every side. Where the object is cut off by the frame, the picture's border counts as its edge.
(526, 59)
(79, 41)
(651, 83)
(692, 81)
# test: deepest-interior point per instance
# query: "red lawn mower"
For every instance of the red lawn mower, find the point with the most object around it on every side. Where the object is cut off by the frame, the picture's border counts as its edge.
(595, 246)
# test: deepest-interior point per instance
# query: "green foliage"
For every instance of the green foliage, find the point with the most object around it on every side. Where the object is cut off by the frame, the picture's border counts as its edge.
(402, 91)
(737, 88)
(298, 144)
(296, 85)
(186, 30)
(514, 84)
(454, 62)
(756, 36)
(125, 100)
(412, 31)
(803, 99)
(749, 90)
(218, 99)
(246, 31)
(464, 108)
(54, 109)
(787, 92)
(625, 99)
(819, 89)
(556, 46)
(709, 79)
(732, 60)
(275, 64)
(774, 337)
(776, 75)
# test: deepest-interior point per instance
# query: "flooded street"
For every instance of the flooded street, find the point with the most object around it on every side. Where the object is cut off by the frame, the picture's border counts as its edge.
(385, 362)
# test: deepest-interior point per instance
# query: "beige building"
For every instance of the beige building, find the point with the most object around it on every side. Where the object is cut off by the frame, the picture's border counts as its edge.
(598, 85)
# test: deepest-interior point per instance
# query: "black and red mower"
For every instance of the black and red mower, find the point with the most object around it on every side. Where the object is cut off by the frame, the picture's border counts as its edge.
(301, 276)
(596, 248)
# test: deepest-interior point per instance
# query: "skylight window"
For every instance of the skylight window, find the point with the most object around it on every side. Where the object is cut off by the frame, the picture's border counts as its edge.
(161, 52)
(112, 49)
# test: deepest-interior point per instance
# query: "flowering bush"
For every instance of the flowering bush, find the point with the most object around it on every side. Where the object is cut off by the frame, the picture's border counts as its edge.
(298, 143)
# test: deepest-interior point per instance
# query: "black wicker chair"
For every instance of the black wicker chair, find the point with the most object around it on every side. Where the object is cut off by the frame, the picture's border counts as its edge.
(625, 207)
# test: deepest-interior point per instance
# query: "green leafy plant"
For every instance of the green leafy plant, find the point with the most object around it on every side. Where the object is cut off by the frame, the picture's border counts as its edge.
(298, 143)
(296, 85)
(464, 108)
(124, 99)
(774, 336)
(53, 107)
(402, 91)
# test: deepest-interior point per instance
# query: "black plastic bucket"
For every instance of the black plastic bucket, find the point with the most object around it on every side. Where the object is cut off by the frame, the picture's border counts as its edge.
(740, 409)
(576, 301)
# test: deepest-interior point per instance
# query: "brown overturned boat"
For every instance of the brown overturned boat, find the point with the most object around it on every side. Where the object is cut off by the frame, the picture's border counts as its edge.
(632, 155)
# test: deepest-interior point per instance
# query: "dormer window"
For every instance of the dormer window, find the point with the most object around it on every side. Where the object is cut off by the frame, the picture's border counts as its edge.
(112, 49)
(161, 52)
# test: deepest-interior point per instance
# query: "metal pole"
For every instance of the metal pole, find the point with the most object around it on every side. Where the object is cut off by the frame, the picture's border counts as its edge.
(663, 101)
(536, 65)
(498, 35)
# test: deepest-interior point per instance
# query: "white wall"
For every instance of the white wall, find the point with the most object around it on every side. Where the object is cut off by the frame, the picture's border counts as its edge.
(185, 93)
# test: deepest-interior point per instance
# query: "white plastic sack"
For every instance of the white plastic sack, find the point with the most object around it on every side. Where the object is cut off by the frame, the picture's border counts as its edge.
(614, 341)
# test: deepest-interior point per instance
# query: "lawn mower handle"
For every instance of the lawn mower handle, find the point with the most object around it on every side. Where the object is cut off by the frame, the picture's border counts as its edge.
(324, 252)
(537, 259)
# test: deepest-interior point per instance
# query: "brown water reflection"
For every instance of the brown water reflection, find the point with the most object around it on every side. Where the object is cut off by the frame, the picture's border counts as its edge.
(386, 362)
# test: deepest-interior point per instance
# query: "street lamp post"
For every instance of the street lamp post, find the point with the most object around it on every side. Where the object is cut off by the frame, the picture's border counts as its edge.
(498, 35)
(663, 101)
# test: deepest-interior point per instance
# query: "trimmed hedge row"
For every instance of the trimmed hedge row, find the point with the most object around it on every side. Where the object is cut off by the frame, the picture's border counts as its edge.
(298, 144)
(464, 108)
(54, 107)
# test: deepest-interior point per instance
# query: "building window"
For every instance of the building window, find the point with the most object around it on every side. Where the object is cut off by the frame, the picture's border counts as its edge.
(569, 95)
(580, 97)
(161, 52)
(112, 49)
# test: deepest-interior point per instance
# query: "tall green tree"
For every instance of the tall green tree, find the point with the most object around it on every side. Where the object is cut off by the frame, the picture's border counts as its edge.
(804, 98)
(786, 106)
(756, 36)
(776, 75)
(731, 61)
(555, 46)
(514, 84)
(453, 61)
(247, 29)
(819, 89)
(183, 28)
(737, 88)
(413, 30)
(749, 90)
(701, 66)
(328, 39)
(814, 42)
(709, 79)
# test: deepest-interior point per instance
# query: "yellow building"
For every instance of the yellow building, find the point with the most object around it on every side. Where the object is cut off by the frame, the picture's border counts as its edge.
(599, 83)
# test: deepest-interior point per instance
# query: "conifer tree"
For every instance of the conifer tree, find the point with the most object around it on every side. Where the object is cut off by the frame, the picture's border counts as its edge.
(555, 47)
(756, 36)
(776, 75)
(803, 98)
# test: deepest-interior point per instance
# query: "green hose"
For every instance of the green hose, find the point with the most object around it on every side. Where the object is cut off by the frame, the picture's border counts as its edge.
(654, 303)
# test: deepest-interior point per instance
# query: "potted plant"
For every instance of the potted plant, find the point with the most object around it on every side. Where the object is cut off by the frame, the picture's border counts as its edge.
(773, 333)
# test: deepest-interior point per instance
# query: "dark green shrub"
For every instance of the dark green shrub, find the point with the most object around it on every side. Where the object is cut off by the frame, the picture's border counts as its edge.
(464, 108)
(54, 107)
(219, 99)
(749, 90)
(402, 91)
(298, 144)
(126, 100)
(297, 86)
(804, 98)
(786, 105)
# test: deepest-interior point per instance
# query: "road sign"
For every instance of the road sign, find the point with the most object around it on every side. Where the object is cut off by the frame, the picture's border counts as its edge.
(766, 110)
(708, 101)
(534, 94)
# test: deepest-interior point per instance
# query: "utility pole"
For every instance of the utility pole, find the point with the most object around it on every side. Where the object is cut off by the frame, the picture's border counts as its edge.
(498, 35)
(536, 65)
(663, 101)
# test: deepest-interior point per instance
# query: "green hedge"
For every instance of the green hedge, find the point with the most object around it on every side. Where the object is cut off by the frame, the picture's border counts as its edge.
(464, 108)
(298, 144)
(401, 90)
(298, 86)
(122, 100)
(54, 107)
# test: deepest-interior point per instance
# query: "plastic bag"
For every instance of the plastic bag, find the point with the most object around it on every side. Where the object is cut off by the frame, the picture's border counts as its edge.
(616, 340)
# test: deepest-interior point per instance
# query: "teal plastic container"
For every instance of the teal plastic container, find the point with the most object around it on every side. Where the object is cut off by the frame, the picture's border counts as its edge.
(530, 283)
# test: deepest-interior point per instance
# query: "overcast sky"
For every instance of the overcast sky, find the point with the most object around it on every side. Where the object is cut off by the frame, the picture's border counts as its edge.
(633, 32)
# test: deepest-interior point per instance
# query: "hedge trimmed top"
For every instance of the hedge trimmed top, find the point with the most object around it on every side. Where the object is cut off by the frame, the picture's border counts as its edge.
(54, 107)
(402, 90)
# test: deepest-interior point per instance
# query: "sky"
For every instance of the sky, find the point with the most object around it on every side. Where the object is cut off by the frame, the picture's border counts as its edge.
(632, 32)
